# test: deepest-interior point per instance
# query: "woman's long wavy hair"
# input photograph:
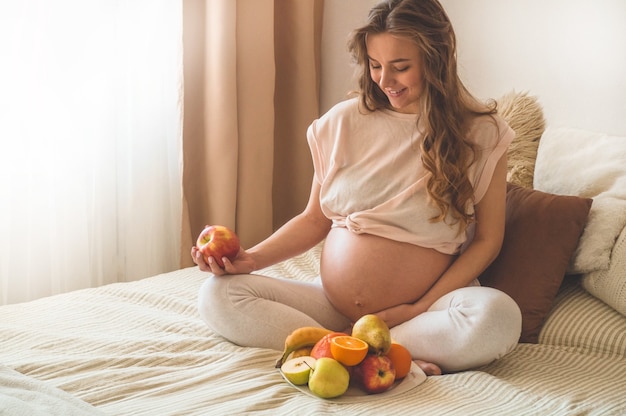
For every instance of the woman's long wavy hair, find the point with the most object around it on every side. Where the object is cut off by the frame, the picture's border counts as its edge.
(446, 106)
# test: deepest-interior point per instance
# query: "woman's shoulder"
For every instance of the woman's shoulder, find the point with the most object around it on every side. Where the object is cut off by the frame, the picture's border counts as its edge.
(353, 110)
(341, 114)
(487, 130)
(347, 107)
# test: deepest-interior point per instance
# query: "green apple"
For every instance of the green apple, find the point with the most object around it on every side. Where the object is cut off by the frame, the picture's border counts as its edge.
(297, 370)
(373, 330)
(329, 378)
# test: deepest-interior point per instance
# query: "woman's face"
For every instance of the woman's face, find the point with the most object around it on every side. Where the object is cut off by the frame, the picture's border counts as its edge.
(396, 67)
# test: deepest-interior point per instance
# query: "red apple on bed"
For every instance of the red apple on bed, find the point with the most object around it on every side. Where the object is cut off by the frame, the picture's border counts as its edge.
(218, 242)
(322, 347)
(375, 374)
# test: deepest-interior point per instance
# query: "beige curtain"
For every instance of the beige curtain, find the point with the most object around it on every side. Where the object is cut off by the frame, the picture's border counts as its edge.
(251, 90)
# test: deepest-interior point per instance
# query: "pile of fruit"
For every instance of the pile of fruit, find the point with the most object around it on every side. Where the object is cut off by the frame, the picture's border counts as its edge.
(328, 362)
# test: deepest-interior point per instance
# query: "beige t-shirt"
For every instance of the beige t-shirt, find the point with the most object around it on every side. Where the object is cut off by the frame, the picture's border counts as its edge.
(372, 179)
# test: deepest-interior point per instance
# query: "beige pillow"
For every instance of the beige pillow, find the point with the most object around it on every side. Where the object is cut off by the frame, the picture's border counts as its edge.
(524, 115)
(610, 285)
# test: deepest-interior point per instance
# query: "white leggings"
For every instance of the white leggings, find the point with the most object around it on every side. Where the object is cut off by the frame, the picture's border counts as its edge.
(464, 329)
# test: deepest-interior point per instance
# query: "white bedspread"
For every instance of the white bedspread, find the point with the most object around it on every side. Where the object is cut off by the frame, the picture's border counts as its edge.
(26, 396)
(140, 348)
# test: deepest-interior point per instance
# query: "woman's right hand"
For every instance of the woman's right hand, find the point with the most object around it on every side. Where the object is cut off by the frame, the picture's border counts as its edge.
(242, 264)
(296, 236)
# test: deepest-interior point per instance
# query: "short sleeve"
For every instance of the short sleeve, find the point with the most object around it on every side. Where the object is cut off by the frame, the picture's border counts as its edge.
(316, 153)
(492, 136)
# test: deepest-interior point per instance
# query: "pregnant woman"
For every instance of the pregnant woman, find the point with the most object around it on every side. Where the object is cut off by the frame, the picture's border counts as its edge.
(408, 195)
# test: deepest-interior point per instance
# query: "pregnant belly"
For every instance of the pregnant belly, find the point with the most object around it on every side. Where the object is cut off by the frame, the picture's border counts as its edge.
(362, 273)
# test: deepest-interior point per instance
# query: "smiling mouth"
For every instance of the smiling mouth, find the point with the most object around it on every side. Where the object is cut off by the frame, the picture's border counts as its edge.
(395, 93)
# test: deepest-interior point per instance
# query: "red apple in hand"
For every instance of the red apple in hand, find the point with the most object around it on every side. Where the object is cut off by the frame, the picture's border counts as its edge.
(375, 373)
(218, 242)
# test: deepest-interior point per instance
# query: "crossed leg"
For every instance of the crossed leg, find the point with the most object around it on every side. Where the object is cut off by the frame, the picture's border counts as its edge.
(466, 328)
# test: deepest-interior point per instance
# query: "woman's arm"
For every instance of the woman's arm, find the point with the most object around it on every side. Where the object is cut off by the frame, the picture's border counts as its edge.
(295, 237)
(484, 248)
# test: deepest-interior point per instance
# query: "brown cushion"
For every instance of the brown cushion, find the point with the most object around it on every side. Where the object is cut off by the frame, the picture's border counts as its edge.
(540, 236)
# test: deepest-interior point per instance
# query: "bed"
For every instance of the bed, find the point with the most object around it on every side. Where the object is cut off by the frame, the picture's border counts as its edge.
(140, 348)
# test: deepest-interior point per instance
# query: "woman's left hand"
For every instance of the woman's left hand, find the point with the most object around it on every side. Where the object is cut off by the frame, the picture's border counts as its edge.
(400, 313)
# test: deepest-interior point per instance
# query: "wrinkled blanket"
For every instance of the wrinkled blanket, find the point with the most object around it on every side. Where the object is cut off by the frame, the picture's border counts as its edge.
(26, 396)
(140, 348)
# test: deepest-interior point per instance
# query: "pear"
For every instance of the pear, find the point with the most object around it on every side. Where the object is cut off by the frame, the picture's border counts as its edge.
(373, 330)
(329, 378)
(297, 370)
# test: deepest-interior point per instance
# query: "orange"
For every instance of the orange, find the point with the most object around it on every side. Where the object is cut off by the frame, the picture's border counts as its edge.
(348, 350)
(401, 359)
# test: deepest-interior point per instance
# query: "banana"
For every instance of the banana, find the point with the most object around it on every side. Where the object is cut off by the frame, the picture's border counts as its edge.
(301, 337)
(302, 352)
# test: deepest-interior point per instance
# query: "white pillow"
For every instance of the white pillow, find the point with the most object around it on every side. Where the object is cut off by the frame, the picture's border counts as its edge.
(592, 165)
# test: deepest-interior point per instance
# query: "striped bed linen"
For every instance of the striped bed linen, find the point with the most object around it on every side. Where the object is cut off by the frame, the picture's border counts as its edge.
(140, 348)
